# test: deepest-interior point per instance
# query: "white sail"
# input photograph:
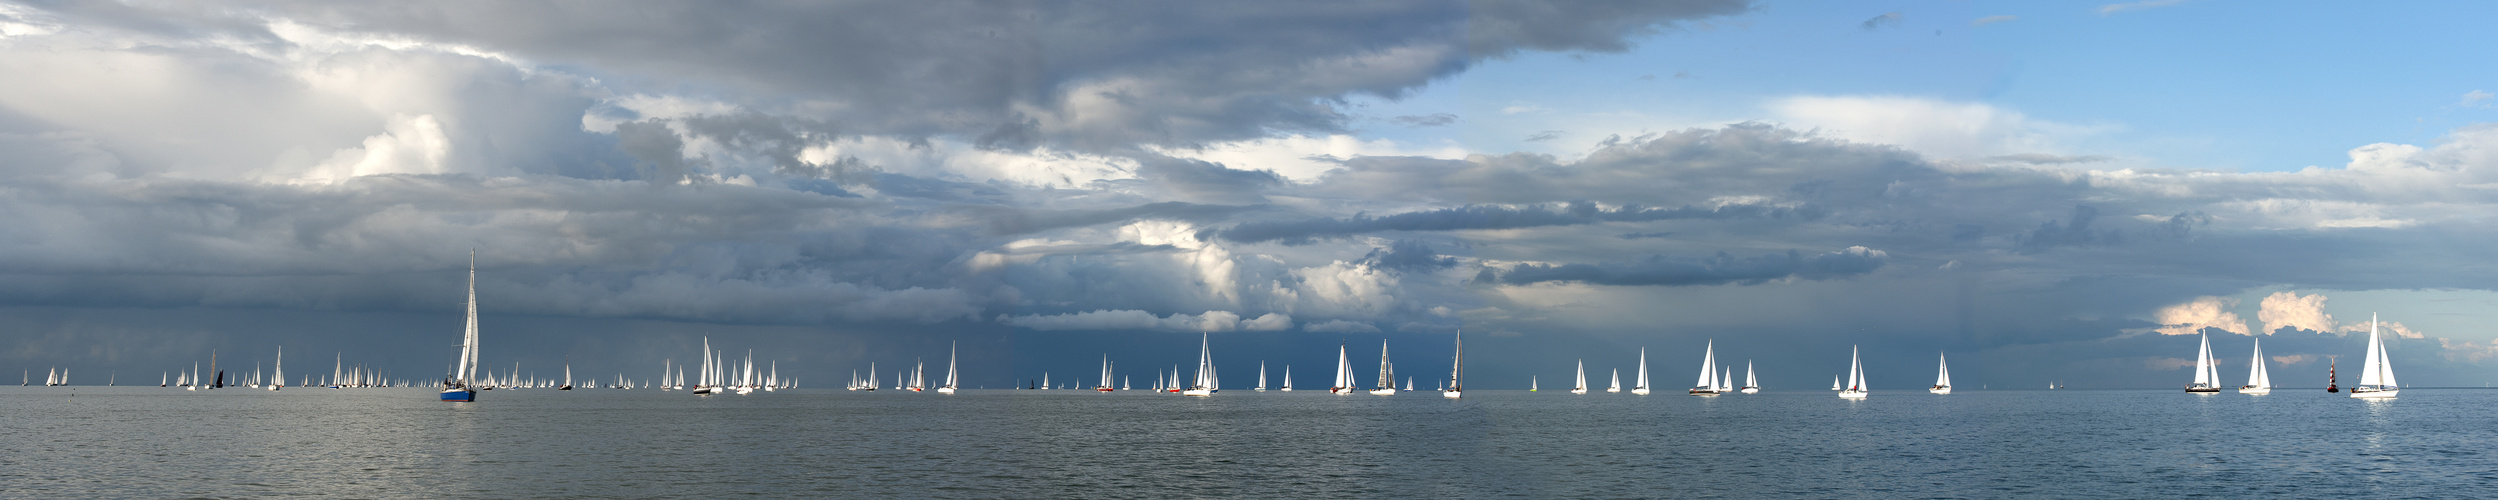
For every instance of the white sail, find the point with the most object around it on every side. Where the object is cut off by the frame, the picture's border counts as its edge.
(950, 357)
(279, 381)
(2376, 375)
(1855, 376)
(1581, 388)
(461, 386)
(1750, 385)
(1708, 371)
(1344, 372)
(1457, 370)
(2203, 372)
(1206, 380)
(2258, 381)
(1387, 374)
(1641, 386)
(1287, 378)
(1261, 377)
(1617, 381)
(1942, 375)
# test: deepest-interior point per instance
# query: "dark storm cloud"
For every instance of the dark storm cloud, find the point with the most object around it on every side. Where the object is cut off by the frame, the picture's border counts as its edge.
(1005, 221)
(1720, 269)
(1483, 217)
(1408, 255)
(1090, 75)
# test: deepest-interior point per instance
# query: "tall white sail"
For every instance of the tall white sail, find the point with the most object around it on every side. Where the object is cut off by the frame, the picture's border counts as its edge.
(948, 388)
(1942, 375)
(1344, 372)
(460, 387)
(1641, 387)
(279, 381)
(1581, 387)
(1707, 386)
(1206, 380)
(1617, 381)
(1750, 385)
(1287, 378)
(1457, 370)
(1386, 385)
(1855, 388)
(2206, 378)
(2258, 381)
(1261, 377)
(2376, 375)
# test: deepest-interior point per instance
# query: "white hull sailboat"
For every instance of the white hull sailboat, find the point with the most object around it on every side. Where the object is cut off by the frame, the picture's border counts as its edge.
(1750, 385)
(948, 388)
(2258, 379)
(1344, 373)
(1855, 388)
(279, 382)
(2206, 377)
(1206, 381)
(1641, 385)
(1708, 372)
(1287, 379)
(1457, 370)
(1581, 388)
(1387, 374)
(1617, 381)
(2376, 376)
(1942, 376)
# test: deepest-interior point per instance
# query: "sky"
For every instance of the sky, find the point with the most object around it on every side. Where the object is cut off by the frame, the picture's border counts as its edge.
(2043, 192)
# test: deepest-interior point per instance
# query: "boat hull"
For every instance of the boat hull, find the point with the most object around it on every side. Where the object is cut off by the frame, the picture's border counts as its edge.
(458, 396)
(945, 390)
(2366, 393)
(1578, 391)
(2259, 391)
(1197, 392)
(1451, 394)
(1940, 390)
(2198, 389)
(1383, 392)
(1852, 394)
(1702, 391)
(1751, 390)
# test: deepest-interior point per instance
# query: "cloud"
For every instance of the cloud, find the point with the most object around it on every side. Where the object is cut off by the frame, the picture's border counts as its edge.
(2193, 316)
(1340, 326)
(1129, 319)
(1885, 20)
(2147, 4)
(2291, 310)
(1717, 270)
(1430, 120)
(2477, 99)
(1543, 136)
(1991, 20)
(1489, 217)
(1943, 129)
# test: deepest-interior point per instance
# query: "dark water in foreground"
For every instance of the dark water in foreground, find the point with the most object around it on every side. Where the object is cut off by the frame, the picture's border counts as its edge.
(151, 442)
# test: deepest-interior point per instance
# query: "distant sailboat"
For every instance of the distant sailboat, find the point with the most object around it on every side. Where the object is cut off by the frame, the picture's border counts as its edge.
(1617, 381)
(1750, 385)
(457, 389)
(1581, 388)
(1640, 387)
(278, 382)
(1261, 377)
(1344, 372)
(1386, 386)
(1707, 386)
(1530, 383)
(1287, 378)
(1457, 370)
(2206, 377)
(2376, 375)
(1942, 376)
(950, 382)
(2258, 378)
(1855, 376)
(1834, 382)
(1105, 387)
(1206, 381)
(568, 378)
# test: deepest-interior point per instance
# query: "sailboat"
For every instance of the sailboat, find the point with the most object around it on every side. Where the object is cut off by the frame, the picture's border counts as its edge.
(2206, 378)
(1834, 382)
(1457, 370)
(1409, 383)
(278, 382)
(1287, 378)
(1386, 386)
(1045, 381)
(1641, 388)
(1617, 381)
(1581, 388)
(1206, 380)
(1530, 383)
(457, 388)
(1344, 373)
(948, 388)
(1855, 376)
(1942, 377)
(1708, 372)
(1261, 377)
(2258, 379)
(2376, 375)
(1105, 387)
(1750, 385)
(568, 378)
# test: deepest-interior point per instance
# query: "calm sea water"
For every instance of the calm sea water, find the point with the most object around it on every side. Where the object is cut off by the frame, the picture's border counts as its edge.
(152, 442)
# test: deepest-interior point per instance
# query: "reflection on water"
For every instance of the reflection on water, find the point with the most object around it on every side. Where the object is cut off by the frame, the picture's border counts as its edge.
(152, 442)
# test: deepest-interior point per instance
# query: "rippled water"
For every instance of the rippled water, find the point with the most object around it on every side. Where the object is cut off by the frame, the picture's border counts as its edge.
(152, 442)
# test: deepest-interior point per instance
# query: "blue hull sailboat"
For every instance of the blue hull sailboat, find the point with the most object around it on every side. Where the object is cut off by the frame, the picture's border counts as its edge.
(458, 388)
